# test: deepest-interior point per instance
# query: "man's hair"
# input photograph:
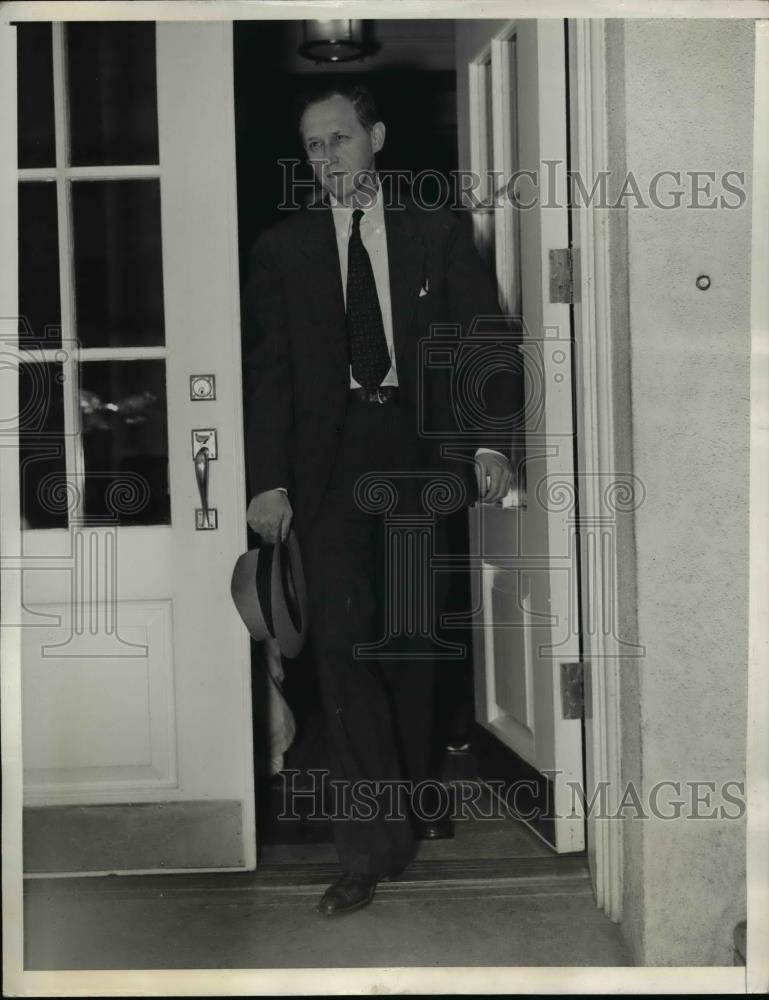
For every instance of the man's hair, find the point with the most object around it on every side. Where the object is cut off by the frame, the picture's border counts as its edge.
(357, 93)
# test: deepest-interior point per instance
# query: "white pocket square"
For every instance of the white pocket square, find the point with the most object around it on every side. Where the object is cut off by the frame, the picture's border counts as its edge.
(425, 290)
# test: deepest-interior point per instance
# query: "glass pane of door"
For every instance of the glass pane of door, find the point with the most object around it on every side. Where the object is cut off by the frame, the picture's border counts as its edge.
(34, 69)
(39, 297)
(118, 263)
(45, 498)
(112, 93)
(125, 442)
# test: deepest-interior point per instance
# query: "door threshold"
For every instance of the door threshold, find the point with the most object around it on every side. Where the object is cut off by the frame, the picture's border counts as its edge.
(301, 884)
(486, 870)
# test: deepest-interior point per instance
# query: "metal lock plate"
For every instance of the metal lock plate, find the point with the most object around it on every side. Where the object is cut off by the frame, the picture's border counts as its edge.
(206, 520)
(204, 438)
(202, 387)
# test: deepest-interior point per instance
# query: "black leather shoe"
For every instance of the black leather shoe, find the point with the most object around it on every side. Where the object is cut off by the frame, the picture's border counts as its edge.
(350, 892)
(435, 829)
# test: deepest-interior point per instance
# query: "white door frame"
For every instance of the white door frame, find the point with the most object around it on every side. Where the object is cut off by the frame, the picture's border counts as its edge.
(10, 527)
(593, 375)
(596, 420)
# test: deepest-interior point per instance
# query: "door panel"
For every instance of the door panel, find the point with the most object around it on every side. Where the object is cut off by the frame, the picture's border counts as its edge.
(525, 548)
(136, 668)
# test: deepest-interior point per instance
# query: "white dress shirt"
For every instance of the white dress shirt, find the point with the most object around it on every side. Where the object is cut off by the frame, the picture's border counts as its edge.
(374, 237)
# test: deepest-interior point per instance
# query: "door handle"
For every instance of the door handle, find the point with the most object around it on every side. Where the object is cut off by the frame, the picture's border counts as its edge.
(513, 499)
(205, 516)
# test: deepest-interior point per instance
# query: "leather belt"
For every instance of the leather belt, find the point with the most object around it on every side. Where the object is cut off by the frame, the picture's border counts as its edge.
(384, 394)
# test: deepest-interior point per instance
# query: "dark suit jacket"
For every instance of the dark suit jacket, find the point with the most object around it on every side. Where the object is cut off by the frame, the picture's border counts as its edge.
(296, 360)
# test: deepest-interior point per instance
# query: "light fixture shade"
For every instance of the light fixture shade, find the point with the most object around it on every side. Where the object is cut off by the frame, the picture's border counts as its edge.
(335, 41)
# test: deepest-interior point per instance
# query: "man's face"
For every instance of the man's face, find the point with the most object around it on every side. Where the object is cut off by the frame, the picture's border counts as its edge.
(339, 149)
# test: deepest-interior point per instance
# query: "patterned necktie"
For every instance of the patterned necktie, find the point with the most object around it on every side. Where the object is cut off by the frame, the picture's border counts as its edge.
(369, 356)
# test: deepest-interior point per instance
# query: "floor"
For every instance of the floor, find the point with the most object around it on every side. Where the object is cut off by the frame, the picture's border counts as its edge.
(494, 895)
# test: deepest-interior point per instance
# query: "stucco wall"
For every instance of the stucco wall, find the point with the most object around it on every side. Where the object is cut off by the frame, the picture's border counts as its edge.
(688, 105)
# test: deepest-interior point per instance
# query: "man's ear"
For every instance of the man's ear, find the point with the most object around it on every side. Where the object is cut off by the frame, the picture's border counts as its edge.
(378, 132)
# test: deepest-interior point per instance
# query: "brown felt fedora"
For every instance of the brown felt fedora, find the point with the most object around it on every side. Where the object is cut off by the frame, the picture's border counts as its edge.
(269, 591)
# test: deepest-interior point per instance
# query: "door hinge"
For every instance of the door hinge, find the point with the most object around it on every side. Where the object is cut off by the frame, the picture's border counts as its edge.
(572, 691)
(564, 275)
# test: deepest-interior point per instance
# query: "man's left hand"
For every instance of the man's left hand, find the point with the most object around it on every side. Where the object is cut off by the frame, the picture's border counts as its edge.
(494, 475)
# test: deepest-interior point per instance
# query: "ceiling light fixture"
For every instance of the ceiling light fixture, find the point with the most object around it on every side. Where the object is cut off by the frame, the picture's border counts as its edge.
(336, 41)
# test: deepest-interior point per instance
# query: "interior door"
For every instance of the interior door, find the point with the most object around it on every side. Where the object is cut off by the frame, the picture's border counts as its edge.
(135, 666)
(526, 640)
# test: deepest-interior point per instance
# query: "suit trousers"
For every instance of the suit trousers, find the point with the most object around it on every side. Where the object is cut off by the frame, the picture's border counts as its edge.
(367, 586)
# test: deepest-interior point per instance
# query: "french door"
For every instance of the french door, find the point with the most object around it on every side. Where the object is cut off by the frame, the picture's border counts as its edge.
(135, 666)
(526, 588)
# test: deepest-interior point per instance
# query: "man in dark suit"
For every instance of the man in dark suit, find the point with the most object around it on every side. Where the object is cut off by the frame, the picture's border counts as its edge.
(338, 297)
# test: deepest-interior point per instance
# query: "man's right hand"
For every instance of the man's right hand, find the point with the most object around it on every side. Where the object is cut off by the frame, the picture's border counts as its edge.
(269, 514)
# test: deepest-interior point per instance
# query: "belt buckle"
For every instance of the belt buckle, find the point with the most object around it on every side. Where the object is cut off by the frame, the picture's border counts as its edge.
(380, 395)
